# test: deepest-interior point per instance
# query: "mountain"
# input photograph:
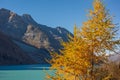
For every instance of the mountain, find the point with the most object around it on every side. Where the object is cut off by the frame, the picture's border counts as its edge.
(26, 29)
(10, 53)
(36, 40)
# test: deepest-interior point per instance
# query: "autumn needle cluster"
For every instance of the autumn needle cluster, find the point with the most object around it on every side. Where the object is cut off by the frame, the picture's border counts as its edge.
(82, 56)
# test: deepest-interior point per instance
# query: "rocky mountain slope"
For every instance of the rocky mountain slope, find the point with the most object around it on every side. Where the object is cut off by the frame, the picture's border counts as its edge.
(36, 40)
(10, 53)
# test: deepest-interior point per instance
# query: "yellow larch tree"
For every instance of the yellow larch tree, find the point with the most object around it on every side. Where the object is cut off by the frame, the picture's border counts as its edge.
(99, 32)
(80, 57)
(72, 63)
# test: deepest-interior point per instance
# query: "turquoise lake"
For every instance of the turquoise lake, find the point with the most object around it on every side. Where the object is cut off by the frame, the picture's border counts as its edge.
(25, 72)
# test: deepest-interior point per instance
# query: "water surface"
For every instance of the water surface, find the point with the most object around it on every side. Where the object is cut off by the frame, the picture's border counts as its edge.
(24, 72)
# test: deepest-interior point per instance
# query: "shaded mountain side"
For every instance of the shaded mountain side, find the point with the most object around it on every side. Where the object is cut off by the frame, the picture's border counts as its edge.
(39, 55)
(12, 24)
(10, 53)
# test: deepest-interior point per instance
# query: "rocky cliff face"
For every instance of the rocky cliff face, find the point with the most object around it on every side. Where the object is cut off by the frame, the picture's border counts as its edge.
(36, 40)
(36, 37)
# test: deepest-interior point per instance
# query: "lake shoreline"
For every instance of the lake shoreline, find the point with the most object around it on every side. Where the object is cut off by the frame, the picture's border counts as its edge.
(26, 67)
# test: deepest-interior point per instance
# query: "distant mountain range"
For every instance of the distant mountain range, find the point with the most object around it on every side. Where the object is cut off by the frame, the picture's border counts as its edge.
(24, 41)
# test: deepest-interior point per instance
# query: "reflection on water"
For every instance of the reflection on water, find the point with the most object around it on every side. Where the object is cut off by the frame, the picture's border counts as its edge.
(24, 72)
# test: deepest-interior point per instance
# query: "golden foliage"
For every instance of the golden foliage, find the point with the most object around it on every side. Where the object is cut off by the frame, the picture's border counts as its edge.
(81, 55)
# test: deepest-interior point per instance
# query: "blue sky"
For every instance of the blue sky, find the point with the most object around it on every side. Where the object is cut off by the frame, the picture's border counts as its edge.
(55, 13)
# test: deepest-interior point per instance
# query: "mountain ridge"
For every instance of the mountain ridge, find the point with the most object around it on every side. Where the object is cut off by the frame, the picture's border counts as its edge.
(26, 33)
